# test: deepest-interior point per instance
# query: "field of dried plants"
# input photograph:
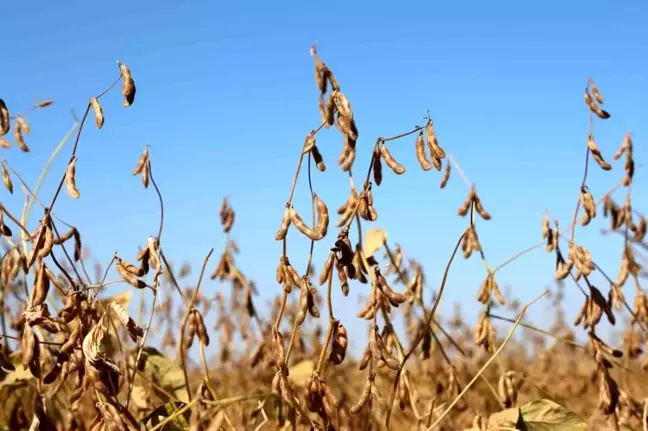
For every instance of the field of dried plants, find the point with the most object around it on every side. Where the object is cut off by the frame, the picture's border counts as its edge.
(73, 358)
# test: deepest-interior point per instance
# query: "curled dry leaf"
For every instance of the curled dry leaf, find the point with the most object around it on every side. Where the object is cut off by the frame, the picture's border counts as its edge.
(373, 241)
(134, 331)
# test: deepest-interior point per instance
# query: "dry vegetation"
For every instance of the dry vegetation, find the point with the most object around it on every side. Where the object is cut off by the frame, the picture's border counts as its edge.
(72, 358)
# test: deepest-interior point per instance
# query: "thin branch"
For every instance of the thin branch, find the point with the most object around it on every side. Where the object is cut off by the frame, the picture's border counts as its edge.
(497, 352)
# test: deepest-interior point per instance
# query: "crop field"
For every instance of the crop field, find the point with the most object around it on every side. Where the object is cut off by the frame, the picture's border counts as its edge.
(76, 355)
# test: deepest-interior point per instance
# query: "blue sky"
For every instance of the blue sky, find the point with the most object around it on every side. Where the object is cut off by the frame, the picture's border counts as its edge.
(226, 94)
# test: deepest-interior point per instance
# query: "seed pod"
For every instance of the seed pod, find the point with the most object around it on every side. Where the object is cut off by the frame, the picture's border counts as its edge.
(563, 268)
(131, 268)
(320, 71)
(346, 125)
(339, 346)
(146, 174)
(61, 364)
(327, 269)
(608, 393)
(28, 344)
(435, 149)
(596, 92)
(420, 153)
(128, 85)
(627, 143)
(77, 245)
(358, 266)
(285, 224)
(6, 179)
(381, 284)
(375, 343)
(330, 109)
(291, 276)
(596, 153)
(366, 357)
(24, 125)
(193, 328)
(342, 276)
(465, 206)
(640, 233)
(589, 206)
(203, 336)
(44, 103)
(143, 160)
(128, 276)
(312, 306)
(436, 162)
(364, 398)
(594, 107)
(44, 241)
(20, 140)
(343, 105)
(322, 221)
(497, 292)
(480, 208)
(281, 273)
(70, 181)
(303, 306)
(446, 175)
(98, 112)
(377, 166)
(318, 159)
(4, 143)
(322, 216)
(41, 286)
(331, 404)
(60, 239)
(5, 123)
(302, 227)
(391, 161)
(348, 161)
(153, 246)
(72, 340)
(278, 349)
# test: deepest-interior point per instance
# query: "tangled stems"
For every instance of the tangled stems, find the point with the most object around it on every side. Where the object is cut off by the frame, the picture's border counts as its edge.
(420, 336)
(181, 344)
(491, 359)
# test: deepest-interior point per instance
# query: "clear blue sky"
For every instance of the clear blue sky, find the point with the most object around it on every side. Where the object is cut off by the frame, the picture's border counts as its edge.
(226, 94)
